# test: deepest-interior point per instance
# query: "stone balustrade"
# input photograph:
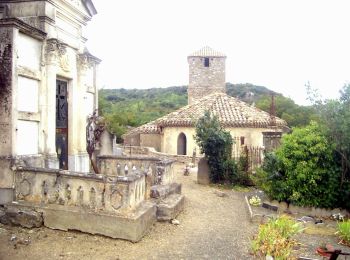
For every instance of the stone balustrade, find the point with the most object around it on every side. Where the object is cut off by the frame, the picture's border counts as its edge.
(90, 191)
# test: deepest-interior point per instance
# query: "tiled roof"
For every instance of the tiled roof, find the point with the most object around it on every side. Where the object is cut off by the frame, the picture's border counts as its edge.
(207, 52)
(230, 111)
(149, 128)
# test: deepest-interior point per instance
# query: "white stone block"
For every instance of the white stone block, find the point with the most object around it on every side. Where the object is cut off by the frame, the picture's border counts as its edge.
(27, 137)
(28, 93)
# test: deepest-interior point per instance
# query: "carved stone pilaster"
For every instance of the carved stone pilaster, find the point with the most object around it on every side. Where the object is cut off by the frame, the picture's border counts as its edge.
(84, 62)
(51, 51)
(56, 53)
(63, 56)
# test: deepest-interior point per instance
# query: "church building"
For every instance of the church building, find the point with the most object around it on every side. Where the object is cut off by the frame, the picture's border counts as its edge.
(174, 133)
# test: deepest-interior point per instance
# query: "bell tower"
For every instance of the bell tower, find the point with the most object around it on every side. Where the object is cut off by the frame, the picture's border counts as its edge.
(206, 73)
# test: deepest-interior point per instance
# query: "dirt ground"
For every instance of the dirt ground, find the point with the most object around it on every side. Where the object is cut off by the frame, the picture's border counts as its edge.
(212, 226)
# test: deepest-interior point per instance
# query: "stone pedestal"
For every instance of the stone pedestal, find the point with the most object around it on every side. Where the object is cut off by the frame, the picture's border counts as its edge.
(203, 172)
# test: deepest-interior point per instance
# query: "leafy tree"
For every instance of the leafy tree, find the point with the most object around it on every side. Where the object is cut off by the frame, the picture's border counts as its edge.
(303, 170)
(216, 144)
(334, 116)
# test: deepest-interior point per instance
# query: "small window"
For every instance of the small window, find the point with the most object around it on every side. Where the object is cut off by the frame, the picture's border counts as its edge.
(242, 140)
(206, 62)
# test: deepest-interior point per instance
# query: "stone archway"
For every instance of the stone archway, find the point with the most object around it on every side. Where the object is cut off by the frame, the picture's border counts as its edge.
(181, 144)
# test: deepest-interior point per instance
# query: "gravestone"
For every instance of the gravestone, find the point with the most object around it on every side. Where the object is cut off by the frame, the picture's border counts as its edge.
(203, 172)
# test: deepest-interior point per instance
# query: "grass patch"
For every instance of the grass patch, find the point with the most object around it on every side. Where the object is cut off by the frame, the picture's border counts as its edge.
(275, 238)
(344, 232)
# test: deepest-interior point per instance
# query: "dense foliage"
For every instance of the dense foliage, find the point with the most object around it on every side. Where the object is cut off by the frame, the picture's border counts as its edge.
(312, 166)
(216, 144)
(302, 170)
(134, 107)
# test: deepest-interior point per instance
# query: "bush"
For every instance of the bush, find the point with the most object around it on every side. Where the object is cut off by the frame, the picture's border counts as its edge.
(302, 171)
(344, 232)
(275, 238)
(216, 144)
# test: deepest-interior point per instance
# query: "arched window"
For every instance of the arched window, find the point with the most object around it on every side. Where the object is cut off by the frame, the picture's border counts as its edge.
(181, 144)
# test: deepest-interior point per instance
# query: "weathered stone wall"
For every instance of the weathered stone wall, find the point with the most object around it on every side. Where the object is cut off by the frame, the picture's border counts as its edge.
(7, 127)
(94, 192)
(157, 171)
(151, 140)
(205, 80)
(133, 140)
(6, 100)
(151, 152)
(252, 137)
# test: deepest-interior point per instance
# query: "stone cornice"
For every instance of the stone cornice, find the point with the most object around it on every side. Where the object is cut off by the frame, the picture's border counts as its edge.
(23, 27)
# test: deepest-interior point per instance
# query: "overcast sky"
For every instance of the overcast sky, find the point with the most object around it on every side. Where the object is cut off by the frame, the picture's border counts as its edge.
(274, 43)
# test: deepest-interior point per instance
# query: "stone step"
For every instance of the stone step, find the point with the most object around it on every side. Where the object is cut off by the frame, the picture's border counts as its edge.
(170, 207)
(162, 191)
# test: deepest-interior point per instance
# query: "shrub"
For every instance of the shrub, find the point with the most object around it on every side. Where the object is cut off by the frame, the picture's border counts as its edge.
(275, 238)
(216, 144)
(344, 232)
(302, 170)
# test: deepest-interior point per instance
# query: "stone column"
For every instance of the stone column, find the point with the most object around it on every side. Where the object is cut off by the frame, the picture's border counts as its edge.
(83, 162)
(51, 71)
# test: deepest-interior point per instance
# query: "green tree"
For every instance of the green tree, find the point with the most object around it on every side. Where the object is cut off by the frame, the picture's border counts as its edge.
(303, 170)
(216, 144)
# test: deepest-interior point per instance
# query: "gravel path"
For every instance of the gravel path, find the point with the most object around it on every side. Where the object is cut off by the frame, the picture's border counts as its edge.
(211, 227)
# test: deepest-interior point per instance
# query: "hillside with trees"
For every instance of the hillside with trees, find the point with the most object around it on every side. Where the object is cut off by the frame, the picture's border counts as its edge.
(125, 108)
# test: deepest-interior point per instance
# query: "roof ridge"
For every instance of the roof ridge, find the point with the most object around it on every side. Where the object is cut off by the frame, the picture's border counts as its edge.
(207, 51)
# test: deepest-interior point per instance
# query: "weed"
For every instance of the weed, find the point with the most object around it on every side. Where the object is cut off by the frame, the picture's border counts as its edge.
(275, 238)
(344, 232)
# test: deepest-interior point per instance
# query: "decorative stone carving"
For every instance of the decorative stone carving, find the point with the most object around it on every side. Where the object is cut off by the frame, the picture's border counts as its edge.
(92, 198)
(84, 62)
(51, 52)
(80, 196)
(116, 199)
(68, 193)
(63, 56)
(56, 52)
(24, 188)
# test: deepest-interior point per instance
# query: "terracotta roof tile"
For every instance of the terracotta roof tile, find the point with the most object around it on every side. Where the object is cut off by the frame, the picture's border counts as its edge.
(231, 112)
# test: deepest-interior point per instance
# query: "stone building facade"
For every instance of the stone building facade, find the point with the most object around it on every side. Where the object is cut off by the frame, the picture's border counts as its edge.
(48, 86)
(174, 133)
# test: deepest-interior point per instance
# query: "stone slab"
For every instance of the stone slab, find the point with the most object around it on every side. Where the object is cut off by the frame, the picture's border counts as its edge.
(130, 227)
(162, 191)
(203, 174)
(170, 207)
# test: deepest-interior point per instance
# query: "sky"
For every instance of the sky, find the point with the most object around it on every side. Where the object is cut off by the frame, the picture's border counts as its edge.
(279, 44)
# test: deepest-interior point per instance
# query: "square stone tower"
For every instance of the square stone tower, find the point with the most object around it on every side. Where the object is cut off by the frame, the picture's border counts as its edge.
(206, 73)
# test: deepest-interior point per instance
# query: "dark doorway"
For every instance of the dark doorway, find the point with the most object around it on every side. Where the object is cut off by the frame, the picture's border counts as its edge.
(62, 123)
(181, 144)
